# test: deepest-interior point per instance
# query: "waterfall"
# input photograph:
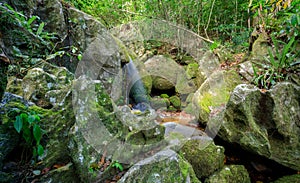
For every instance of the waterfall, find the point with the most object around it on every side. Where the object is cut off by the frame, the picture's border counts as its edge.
(135, 89)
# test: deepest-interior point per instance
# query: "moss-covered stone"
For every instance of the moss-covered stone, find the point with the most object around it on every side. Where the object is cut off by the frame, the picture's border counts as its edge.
(164, 95)
(273, 120)
(159, 103)
(215, 92)
(175, 101)
(230, 173)
(165, 166)
(204, 156)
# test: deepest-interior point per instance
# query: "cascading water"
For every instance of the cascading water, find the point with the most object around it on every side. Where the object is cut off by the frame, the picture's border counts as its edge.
(135, 89)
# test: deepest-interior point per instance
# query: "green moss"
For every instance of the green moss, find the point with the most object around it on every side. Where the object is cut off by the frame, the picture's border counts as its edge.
(231, 173)
(164, 95)
(175, 101)
(206, 101)
(205, 157)
(192, 70)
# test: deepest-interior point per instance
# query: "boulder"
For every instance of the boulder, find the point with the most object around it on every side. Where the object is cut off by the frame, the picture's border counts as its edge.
(55, 124)
(175, 101)
(157, 67)
(46, 86)
(265, 123)
(215, 92)
(204, 156)
(164, 166)
(208, 63)
(230, 173)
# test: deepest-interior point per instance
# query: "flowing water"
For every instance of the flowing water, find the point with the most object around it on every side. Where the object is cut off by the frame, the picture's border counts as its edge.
(136, 93)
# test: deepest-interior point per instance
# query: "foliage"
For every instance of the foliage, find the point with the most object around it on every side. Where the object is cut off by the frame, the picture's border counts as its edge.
(117, 165)
(31, 42)
(27, 124)
(278, 66)
(28, 32)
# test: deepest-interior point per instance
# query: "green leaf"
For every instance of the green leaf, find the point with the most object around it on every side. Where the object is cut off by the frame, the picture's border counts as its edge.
(27, 135)
(40, 150)
(18, 124)
(40, 29)
(37, 133)
(31, 119)
(118, 165)
(24, 117)
(37, 118)
(294, 20)
(29, 22)
(79, 56)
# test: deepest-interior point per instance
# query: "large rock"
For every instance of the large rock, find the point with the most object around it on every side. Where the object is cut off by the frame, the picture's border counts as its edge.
(55, 124)
(46, 86)
(204, 156)
(215, 92)
(266, 123)
(230, 173)
(157, 67)
(165, 166)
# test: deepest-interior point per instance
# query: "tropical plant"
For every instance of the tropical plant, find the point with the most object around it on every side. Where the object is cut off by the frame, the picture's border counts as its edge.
(278, 65)
(28, 125)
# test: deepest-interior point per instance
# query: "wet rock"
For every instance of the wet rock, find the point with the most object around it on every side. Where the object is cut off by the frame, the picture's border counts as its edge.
(265, 123)
(230, 173)
(165, 166)
(204, 156)
(215, 92)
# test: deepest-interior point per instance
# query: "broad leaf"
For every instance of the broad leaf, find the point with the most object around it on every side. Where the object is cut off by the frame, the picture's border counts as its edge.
(40, 150)
(24, 117)
(37, 133)
(18, 124)
(31, 119)
(27, 135)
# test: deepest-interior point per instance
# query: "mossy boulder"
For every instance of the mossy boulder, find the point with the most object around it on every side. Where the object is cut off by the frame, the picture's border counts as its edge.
(165, 166)
(159, 103)
(55, 123)
(230, 173)
(46, 85)
(157, 67)
(193, 73)
(215, 92)
(208, 63)
(273, 120)
(175, 101)
(204, 156)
